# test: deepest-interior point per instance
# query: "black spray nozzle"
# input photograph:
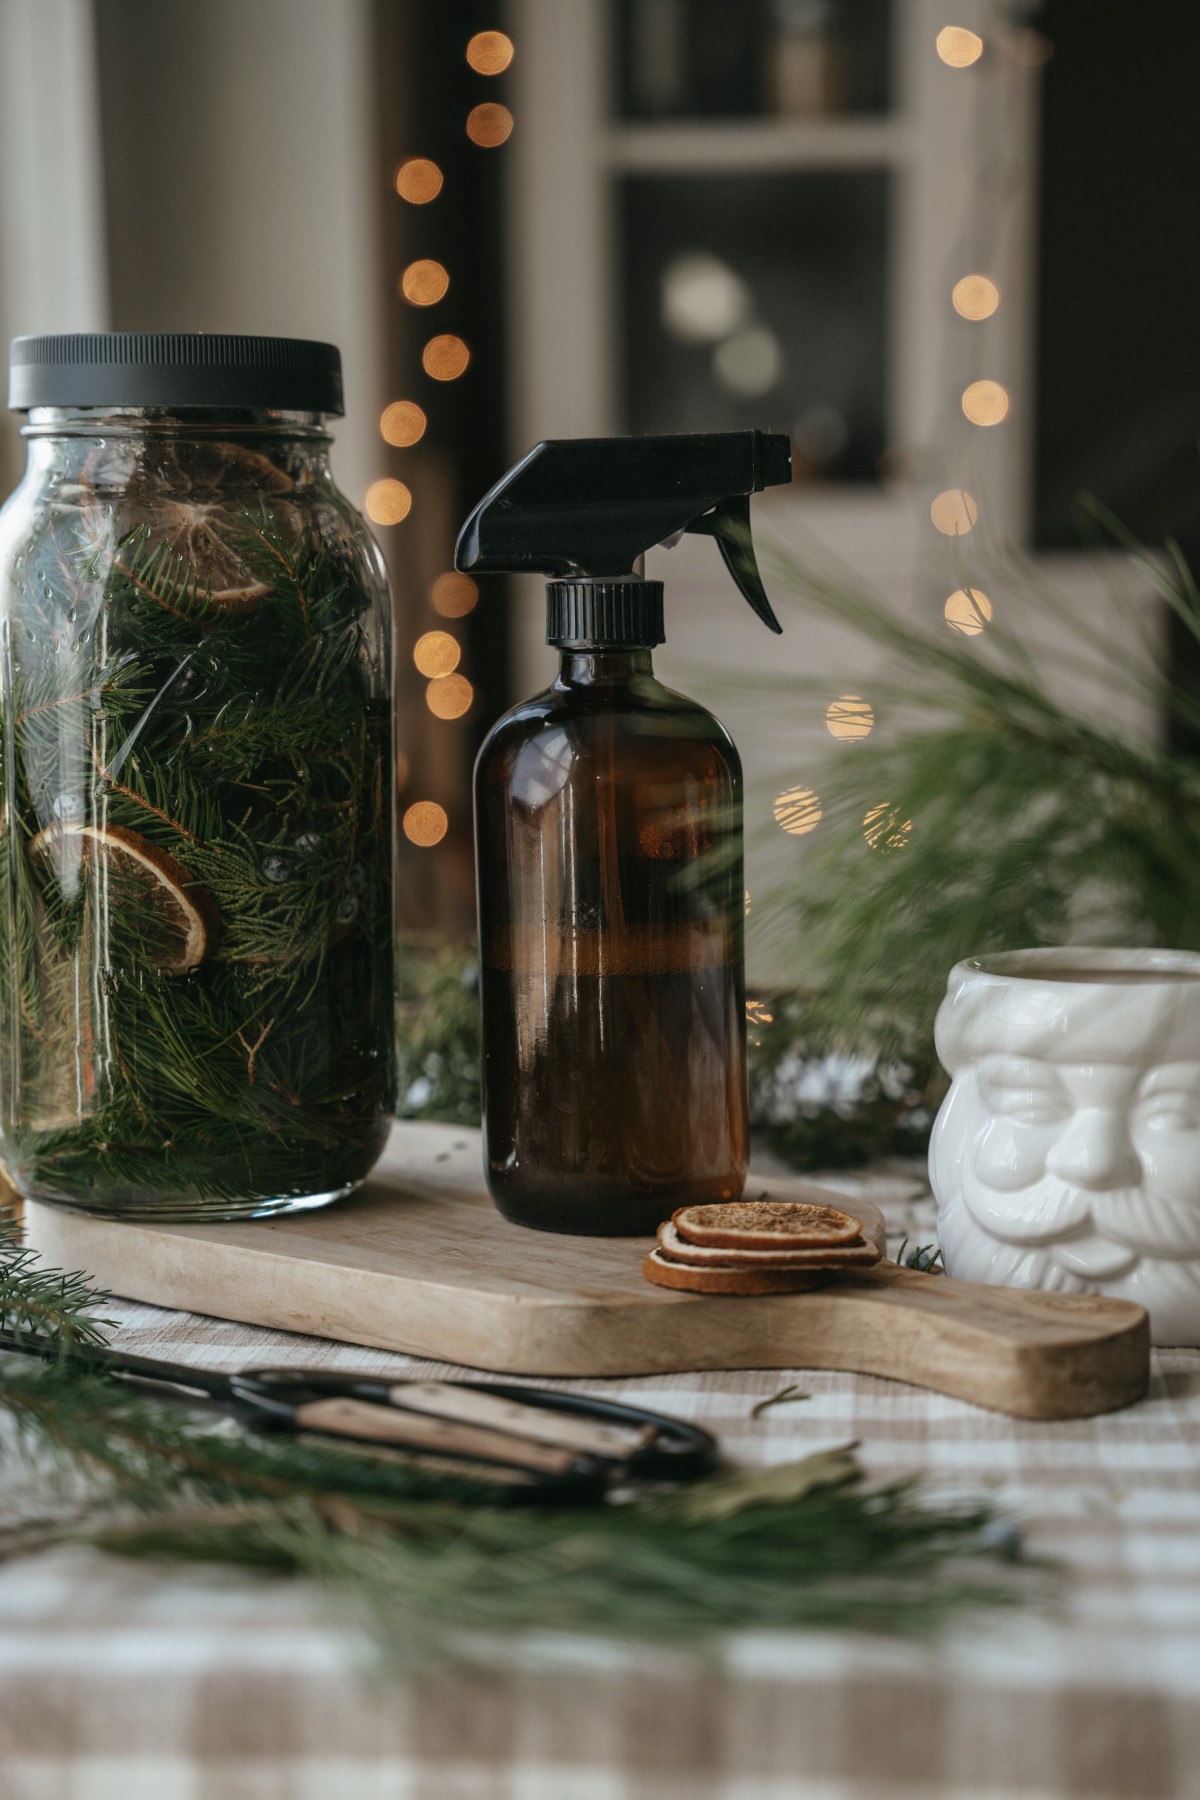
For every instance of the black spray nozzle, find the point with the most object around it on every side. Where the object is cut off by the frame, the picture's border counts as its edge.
(590, 507)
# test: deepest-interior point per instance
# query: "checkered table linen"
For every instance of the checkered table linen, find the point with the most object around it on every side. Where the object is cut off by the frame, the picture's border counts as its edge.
(127, 1682)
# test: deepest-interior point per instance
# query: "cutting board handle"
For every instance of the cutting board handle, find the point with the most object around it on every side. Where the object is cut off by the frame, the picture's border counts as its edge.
(1035, 1355)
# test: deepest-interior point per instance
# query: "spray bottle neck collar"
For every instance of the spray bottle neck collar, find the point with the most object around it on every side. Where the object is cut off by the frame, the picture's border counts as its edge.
(604, 613)
(614, 666)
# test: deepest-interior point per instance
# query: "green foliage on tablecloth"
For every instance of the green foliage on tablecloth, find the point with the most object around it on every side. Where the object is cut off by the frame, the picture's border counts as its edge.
(423, 1557)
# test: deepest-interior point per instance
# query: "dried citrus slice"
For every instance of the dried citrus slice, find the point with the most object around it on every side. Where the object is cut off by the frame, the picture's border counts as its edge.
(192, 499)
(727, 1281)
(766, 1225)
(176, 917)
(676, 1249)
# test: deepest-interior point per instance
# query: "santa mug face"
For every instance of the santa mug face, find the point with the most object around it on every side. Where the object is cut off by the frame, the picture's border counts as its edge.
(1067, 1152)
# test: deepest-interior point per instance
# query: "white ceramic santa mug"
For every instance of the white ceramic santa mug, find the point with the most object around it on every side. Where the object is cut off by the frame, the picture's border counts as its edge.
(1067, 1152)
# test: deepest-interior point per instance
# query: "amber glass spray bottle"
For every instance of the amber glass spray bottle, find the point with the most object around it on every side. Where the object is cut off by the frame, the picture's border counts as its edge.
(609, 849)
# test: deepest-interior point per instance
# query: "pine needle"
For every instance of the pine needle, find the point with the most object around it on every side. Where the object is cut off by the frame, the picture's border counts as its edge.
(1008, 817)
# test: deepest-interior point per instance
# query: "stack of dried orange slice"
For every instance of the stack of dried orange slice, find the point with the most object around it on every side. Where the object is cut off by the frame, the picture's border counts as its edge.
(755, 1247)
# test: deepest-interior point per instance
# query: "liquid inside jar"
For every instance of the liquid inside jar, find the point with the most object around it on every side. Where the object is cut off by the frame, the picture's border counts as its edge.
(196, 830)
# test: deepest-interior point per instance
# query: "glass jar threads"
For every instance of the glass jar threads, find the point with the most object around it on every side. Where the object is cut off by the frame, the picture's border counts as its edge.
(196, 793)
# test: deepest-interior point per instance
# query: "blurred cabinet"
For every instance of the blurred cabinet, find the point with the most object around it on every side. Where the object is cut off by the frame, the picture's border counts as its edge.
(723, 216)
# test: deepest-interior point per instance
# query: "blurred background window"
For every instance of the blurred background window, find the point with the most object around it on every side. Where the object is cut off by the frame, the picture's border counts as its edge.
(739, 291)
(706, 59)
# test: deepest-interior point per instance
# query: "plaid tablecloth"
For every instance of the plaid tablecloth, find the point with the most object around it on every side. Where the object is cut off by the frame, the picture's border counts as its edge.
(124, 1682)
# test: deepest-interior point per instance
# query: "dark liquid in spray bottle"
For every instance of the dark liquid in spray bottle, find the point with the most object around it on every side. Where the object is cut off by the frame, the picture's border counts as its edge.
(611, 906)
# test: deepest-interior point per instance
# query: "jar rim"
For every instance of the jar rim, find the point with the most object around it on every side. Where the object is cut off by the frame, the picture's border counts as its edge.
(181, 422)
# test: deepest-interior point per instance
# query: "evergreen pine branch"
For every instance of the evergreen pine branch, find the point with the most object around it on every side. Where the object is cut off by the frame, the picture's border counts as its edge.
(47, 1303)
(1013, 819)
(422, 1558)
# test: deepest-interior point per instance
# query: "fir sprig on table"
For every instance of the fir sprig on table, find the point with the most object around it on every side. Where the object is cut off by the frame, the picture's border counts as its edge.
(423, 1558)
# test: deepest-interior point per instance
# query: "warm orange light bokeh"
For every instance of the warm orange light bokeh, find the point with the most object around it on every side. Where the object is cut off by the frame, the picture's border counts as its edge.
(425, 823)
(954, 512)
(985, 402)
(419, 180)
(967, 611)
(436, 653)
(489, 124)
(490, 52)
(453, 595)
(958, 47)
(445, 357)
(797, 810)
(402, 423)
(388, 502)
(849, 718)
(975, 297)
(884, 829)
(424, 282)
(449, 697)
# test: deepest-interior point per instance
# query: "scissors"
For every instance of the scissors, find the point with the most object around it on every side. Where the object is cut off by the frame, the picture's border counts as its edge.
(536, 1442)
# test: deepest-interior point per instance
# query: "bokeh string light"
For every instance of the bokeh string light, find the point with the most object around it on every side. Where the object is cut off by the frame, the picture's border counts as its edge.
(449, 697)
(436, 653)
(985, 402)
(958, 47)
(424, 282)
(425, 823)
(445, 357)
(883, 828)
(967, 611)
(797, 811)
(388, 502)
(975, 297)
(849, 718)
(490, 52)
(954, 512)
(402, 423)
(419, 180)
(489, 124)
(453, 595)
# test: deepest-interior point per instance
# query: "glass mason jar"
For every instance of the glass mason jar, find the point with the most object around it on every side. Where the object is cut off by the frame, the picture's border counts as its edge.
(196, 998)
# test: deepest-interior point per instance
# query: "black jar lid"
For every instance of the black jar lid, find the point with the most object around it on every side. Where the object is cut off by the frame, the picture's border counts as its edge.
(174, 368)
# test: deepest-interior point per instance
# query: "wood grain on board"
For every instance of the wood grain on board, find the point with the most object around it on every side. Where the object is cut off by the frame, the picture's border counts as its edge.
(419, 1261)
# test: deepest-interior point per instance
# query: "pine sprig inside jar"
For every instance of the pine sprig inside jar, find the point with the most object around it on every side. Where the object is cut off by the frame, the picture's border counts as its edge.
(196, 842)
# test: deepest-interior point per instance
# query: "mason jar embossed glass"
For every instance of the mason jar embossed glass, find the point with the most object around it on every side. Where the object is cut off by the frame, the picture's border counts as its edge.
(196, 1001)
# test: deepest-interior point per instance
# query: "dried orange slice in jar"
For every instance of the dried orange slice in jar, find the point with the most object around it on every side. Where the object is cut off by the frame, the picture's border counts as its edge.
(159, 908)
(193, 501)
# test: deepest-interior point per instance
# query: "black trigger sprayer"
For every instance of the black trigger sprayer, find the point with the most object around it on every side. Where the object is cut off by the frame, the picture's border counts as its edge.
(608, 828)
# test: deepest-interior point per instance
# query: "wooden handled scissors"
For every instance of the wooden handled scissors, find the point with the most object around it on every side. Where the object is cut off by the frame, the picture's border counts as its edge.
(535, 1441)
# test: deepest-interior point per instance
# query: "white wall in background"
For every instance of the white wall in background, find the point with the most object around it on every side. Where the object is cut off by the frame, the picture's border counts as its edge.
(241, 184)
(53, 265)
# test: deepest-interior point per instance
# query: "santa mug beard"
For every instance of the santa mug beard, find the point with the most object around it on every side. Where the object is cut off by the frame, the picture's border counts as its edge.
(1067, 1153)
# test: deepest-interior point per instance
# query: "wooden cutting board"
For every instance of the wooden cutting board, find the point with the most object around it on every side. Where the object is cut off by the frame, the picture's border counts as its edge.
(419, 1261)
